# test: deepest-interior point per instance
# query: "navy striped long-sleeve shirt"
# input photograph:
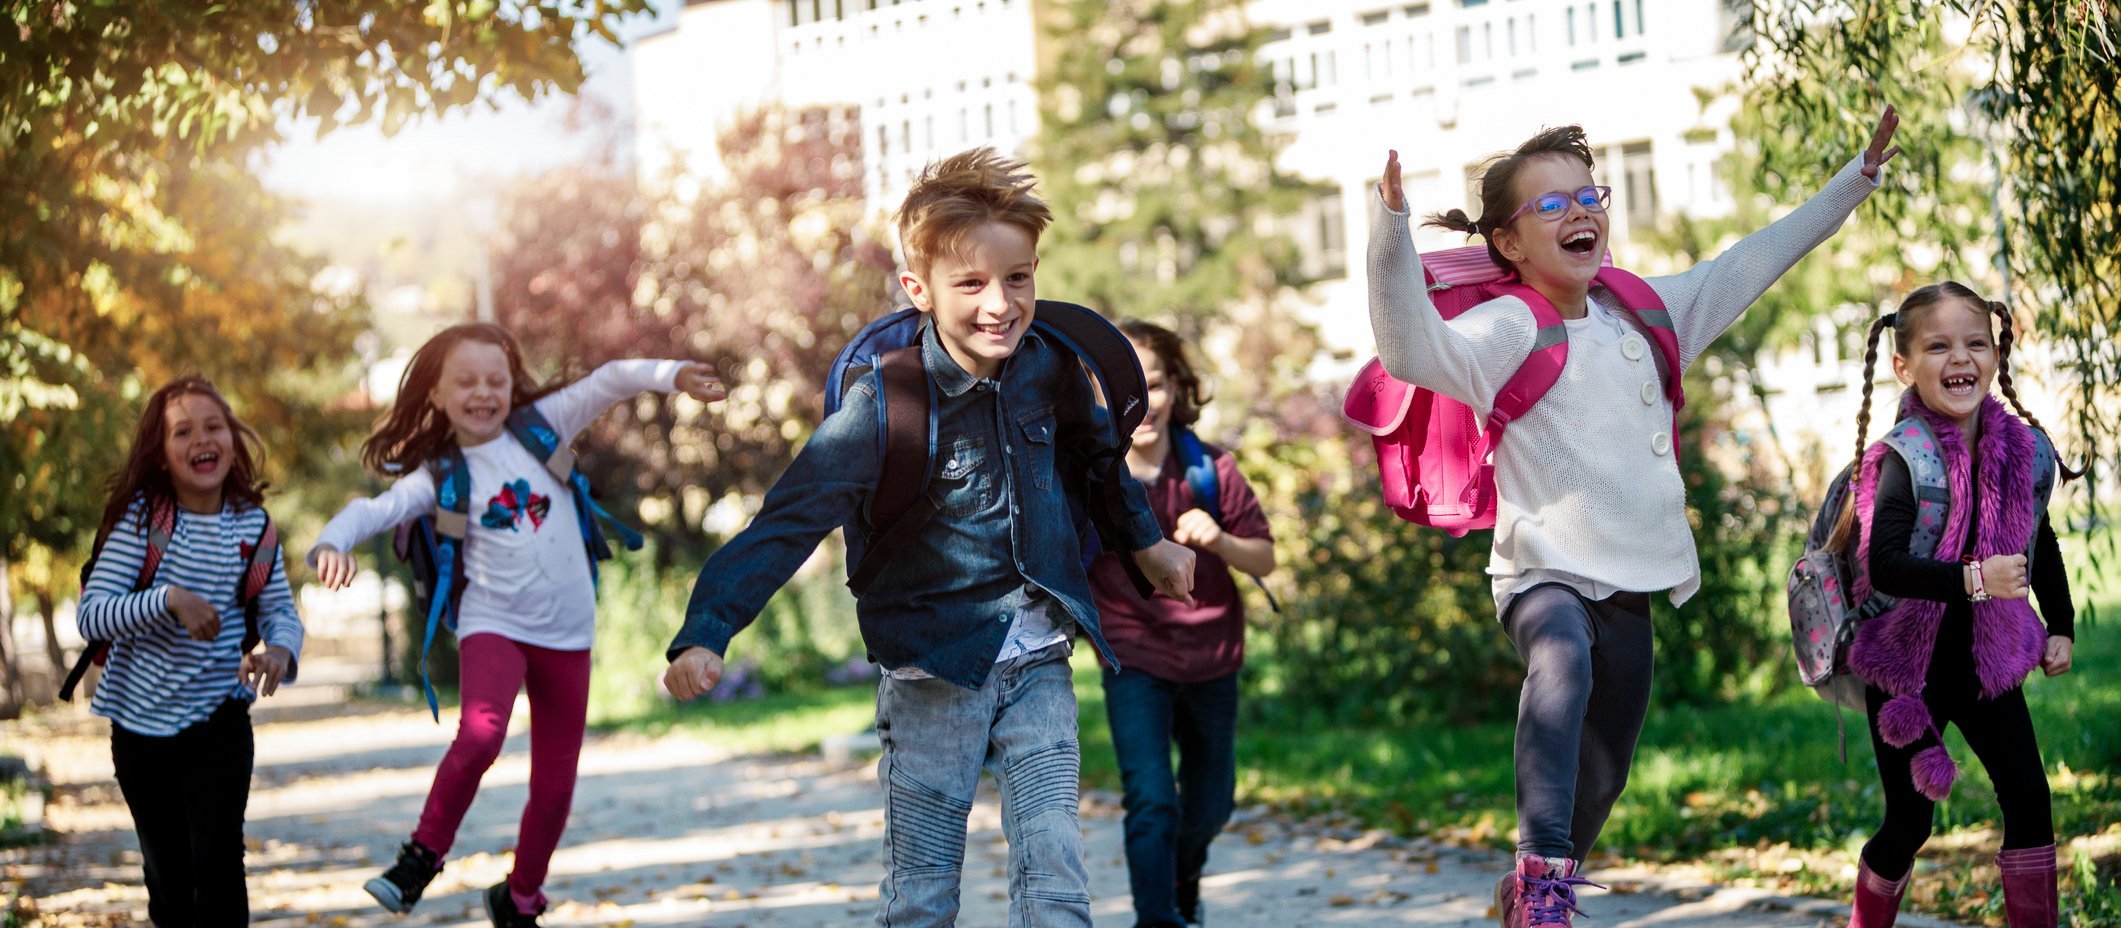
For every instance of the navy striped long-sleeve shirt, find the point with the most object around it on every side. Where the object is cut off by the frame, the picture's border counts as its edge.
(159, 681)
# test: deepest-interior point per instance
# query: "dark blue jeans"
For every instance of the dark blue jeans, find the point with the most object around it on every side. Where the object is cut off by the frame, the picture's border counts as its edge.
(1171, 818)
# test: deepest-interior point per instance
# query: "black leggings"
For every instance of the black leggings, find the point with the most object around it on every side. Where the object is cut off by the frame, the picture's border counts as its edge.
(2000, 731)
(187, 793)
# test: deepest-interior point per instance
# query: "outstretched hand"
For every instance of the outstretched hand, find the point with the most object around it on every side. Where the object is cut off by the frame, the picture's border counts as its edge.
(1395, 196)
(1878, 153)
(698, 381)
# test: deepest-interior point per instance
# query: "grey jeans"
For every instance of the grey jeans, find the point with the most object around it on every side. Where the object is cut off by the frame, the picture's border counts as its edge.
(937, 737)
(1586, 690)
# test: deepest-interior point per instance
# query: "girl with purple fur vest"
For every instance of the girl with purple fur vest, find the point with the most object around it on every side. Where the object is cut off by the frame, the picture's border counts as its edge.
(1958, 645)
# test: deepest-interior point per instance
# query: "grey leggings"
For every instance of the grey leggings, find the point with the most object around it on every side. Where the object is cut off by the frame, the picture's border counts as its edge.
(1586, 690)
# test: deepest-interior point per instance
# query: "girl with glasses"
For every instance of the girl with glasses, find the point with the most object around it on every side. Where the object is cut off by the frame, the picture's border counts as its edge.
(1591, 512)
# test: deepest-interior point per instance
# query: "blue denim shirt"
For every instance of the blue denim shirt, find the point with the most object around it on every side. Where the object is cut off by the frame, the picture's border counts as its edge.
(943, 605)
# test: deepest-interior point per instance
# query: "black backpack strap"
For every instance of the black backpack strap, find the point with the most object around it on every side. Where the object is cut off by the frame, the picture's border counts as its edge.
(901, 505)
(1094, 339)
(161, 516)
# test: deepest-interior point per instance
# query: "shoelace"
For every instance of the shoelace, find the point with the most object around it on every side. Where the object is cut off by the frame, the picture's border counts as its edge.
(1549, 901)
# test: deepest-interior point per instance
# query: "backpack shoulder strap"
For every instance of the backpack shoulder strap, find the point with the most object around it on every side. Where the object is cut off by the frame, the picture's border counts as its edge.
(1912, 439)
(452, 477)
(2045, 461)
(1541, 368)
(900, 505)
(257, 573)
(1099, 343)
(1641, 304)
(536, 434)
(1200, 473)
(160, 513)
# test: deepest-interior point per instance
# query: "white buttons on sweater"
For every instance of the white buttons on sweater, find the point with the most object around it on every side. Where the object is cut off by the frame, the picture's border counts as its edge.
(1649, 393)
(1661, 443)
(1632, 347)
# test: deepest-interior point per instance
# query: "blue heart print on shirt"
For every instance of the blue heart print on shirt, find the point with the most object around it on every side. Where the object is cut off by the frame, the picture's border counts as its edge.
(507, 508)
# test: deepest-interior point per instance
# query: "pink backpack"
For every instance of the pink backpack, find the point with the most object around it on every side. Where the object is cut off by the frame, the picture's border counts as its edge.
(1431, 450)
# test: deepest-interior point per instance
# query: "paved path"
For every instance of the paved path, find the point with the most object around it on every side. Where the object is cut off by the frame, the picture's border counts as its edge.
(672, 831)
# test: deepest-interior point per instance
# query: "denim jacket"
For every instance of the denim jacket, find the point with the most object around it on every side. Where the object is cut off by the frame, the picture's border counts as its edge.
(1002, 522)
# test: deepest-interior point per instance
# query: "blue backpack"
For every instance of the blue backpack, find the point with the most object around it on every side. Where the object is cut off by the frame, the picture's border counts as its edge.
(1207, 488)
(901, 503)
(433, 544)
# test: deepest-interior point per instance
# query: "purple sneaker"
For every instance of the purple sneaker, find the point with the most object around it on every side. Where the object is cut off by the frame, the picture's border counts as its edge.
(1540, 893)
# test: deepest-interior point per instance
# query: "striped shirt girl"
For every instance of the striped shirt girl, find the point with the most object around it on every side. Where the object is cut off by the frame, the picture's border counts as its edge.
(160, 681)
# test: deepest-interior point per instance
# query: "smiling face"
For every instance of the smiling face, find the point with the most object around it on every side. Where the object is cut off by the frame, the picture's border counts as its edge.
(198, 448)
(982, 295)
(474, 391)
(1949, 358)
(1563, 253)
(1158, 387)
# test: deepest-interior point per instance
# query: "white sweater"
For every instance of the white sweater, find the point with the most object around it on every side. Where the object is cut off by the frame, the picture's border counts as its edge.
(526, 572)
(1588, 490)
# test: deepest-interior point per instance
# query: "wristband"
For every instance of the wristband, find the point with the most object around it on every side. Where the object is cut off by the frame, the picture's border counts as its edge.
(1979, 591)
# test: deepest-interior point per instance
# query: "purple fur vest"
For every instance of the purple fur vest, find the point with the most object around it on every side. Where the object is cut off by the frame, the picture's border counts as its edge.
(1892, 651)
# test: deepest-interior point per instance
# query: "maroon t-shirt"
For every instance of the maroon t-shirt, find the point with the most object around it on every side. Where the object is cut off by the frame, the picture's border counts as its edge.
(1162, 636)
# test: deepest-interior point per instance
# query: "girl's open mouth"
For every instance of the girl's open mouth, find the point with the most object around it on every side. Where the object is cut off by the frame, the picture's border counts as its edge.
(1580, 242)
(205, 462)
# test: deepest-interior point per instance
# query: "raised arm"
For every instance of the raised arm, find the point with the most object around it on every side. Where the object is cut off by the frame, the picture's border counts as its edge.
(572, 408)
(1708, 298)
(332, 556)
(1468, 358)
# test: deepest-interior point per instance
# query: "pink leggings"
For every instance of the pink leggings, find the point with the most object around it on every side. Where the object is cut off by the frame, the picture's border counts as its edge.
(493, 670)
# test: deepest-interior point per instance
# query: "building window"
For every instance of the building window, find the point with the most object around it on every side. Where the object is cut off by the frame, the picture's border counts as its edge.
(990, 120)
(1465, 45)
(1638, 17)
(883, 141)
(1640, 179)
(1375, 18)
(1320, 27)
(1572, 25)
(1332, 237)
(964, 126)
(1513, 37)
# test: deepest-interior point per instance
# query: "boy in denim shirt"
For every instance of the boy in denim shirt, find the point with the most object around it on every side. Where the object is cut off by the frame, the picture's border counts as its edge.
(973, 620)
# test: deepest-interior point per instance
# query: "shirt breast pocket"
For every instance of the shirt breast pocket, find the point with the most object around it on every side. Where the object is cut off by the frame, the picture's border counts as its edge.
(964, 483)
(1036, 427)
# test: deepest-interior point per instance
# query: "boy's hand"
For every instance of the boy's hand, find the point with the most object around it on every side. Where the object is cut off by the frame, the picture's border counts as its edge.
(262, 670)
(198, 618)
(335, 568)
(1197, 529)
(2056, 661)
(1878, 153)
(1395, 196)
(1169, 567)
(698, 381)
(695, 672)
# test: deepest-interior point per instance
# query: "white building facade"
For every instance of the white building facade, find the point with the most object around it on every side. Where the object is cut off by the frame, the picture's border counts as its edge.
(929, 77)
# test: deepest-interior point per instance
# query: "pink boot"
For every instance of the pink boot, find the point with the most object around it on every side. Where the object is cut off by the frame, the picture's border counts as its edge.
(1877, 898)
(2030, 896)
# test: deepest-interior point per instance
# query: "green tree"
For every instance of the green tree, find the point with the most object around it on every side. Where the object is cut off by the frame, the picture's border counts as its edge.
(135, 246)
(1161, 175)
(2037, 81)
(765, 275)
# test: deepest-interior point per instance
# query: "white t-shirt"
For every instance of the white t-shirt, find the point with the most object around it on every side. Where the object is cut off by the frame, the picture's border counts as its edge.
(526, 572)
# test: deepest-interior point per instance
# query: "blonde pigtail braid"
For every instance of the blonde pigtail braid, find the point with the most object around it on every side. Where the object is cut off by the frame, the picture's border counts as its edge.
(2006, 336)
